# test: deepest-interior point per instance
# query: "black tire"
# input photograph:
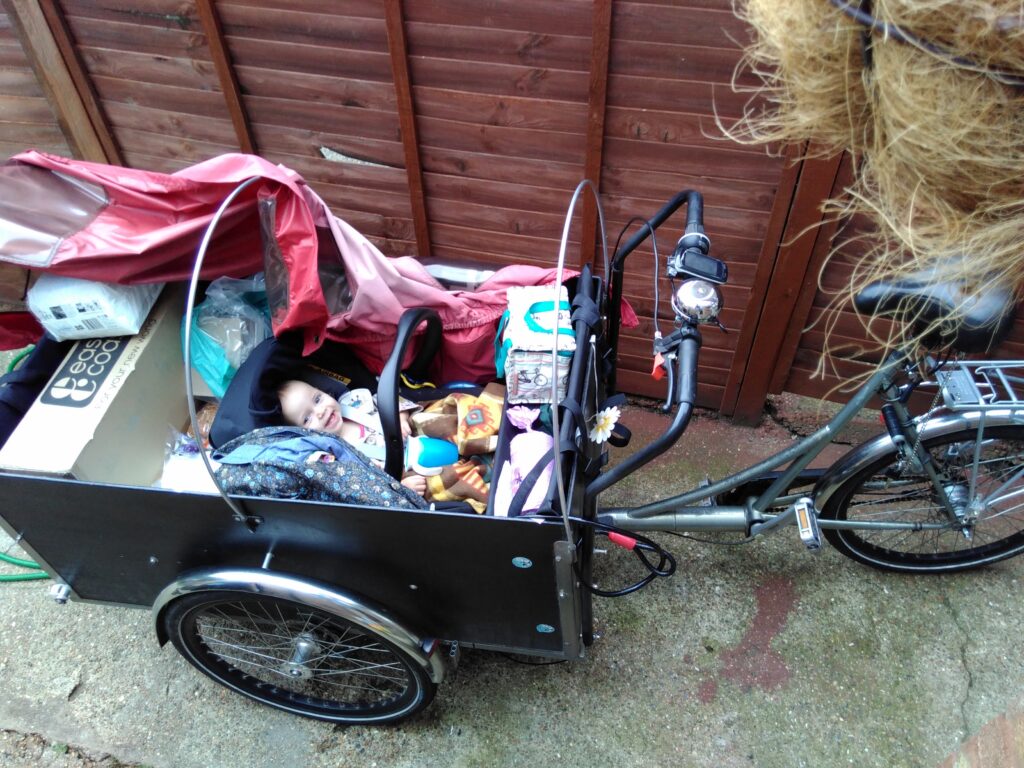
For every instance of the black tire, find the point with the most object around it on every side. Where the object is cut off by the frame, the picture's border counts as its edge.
(297, 658)
(887, 491)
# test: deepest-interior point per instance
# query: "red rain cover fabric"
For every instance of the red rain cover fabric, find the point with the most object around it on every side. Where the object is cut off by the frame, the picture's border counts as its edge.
(324, 278)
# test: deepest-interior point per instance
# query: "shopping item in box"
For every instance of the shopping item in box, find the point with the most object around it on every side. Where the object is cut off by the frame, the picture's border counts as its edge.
(523, 355)
(71, 308)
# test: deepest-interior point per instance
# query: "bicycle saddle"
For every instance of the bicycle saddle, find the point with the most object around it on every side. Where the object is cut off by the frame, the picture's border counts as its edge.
(967, 323)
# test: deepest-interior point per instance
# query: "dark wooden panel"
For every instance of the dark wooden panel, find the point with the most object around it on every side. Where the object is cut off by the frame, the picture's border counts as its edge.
(533, 48)
(314, 59)
(672, 127)
(127, 117)
(161, 14)
(568, 17)
(296, 150)
(555, 175)
(19, 82)
(370, 9)
(531, 250)
(161, 41)
(299, 25)
(678, 25)
(25, 109)
(167, 98)
(652, 188)
(501, 140)
(712, 162)
(387, 153)
(315, 88)
(500, 79)
(504, 221)
(173, 147)
(314, 116)
(644, 58)
(689, 96)
(524, 195)
(150, 68)
(508, 111)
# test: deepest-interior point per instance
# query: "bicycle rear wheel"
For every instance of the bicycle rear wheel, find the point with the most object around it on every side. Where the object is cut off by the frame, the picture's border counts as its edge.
(985, 479)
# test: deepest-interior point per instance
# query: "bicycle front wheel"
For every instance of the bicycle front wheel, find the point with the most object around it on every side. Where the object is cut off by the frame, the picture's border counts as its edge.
(984, 479)
(297, 658)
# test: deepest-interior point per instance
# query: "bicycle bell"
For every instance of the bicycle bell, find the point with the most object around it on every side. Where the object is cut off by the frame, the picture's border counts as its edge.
(697, 301)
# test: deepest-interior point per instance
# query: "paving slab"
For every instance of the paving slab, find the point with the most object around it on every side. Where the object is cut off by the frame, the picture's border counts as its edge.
(760, 654)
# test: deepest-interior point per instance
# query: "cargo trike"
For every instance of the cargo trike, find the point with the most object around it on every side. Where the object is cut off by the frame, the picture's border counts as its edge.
(353, 613)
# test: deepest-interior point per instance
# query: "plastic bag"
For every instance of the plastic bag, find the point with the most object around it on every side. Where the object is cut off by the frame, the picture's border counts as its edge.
(184, 469)
(230, 322)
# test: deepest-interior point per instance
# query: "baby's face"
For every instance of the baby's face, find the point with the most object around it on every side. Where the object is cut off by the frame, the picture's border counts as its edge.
(306, 406)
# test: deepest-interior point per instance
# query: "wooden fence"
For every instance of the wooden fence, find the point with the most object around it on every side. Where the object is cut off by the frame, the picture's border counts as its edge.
(456, 130)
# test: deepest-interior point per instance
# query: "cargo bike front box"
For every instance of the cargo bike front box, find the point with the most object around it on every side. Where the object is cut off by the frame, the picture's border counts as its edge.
(368, 587)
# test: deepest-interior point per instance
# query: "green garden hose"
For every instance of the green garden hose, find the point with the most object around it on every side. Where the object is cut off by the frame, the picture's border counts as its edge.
(18, 561)
(20, 356)
(31, 575)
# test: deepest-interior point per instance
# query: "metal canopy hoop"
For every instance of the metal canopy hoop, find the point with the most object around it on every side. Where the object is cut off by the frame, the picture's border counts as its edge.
(555, 426)
(236, 508)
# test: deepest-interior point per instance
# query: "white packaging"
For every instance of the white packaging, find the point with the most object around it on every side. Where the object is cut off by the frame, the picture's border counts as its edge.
(527, 343)
(71, 308)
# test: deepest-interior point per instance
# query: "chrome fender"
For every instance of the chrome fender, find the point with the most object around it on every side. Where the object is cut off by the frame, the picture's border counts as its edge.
(256, 581)
(938, 426)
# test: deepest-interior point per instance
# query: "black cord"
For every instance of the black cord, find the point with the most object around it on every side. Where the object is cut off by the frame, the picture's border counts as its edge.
(897, 32)
(666, 563)
(657, 261)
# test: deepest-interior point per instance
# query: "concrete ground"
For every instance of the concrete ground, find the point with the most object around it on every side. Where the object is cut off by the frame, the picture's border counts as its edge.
(753, 655)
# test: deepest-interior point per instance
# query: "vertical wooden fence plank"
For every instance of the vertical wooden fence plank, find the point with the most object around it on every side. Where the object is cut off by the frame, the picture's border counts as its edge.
(787, 284)
(47, 42)
(781, 207)
(226, 74)
(398, 50)
(823, 243)
(597, 99)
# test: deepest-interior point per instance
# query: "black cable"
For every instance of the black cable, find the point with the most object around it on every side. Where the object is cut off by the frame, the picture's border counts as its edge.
(666, 562)
(657, 262)
(896, 32)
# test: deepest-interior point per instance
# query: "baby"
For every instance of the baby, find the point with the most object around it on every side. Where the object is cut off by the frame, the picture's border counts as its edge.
(354, 420)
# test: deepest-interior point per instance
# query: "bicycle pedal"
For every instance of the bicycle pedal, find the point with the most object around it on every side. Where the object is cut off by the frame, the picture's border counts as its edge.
(807, 523)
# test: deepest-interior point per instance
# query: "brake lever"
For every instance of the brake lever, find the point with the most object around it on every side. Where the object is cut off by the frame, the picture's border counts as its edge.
(670, 370)
(665, 355)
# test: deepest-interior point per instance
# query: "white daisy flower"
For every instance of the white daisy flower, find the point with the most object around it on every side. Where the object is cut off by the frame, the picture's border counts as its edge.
(603, 423)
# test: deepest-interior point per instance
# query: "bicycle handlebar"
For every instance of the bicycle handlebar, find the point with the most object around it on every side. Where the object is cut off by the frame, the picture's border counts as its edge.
(694, 202)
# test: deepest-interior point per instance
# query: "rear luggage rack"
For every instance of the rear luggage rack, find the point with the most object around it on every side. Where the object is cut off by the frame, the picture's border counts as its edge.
(983, 385)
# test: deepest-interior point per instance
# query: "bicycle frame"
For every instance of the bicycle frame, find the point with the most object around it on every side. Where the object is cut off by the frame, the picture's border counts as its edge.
(694, 510)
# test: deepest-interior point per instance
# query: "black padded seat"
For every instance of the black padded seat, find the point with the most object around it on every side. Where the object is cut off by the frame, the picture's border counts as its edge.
(965, 323)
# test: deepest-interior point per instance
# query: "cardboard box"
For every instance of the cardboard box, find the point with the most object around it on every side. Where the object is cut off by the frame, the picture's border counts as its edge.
(106, 413)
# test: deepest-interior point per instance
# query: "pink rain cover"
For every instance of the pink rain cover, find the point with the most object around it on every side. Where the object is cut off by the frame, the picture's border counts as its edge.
(149, 227)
